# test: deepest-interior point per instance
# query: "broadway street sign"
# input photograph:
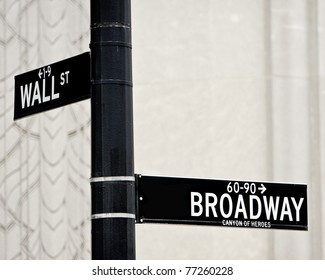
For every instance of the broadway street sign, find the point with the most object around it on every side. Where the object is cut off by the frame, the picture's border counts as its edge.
(52, 86)
(221, 203)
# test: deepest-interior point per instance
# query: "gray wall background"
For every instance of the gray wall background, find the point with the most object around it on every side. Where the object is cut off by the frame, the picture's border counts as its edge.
(222, 89)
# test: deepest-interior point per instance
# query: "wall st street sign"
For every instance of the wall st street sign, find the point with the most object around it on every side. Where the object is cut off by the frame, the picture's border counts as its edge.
(222, 203)
(52, 86)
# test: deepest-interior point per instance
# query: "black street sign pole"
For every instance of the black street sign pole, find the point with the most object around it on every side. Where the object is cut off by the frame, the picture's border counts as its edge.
(112, 172)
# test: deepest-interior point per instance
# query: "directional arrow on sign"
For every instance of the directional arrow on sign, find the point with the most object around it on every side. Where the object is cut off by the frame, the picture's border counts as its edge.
(262, 188)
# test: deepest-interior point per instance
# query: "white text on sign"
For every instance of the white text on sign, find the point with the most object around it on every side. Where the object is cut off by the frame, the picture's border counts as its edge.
(42, 90)
(244, 207)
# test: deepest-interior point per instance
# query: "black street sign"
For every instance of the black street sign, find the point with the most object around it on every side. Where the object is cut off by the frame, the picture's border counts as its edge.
(221, 203)
(52, 86)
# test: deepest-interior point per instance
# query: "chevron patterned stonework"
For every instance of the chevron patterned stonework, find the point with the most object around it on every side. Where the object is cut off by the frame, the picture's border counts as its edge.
(44, 159)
